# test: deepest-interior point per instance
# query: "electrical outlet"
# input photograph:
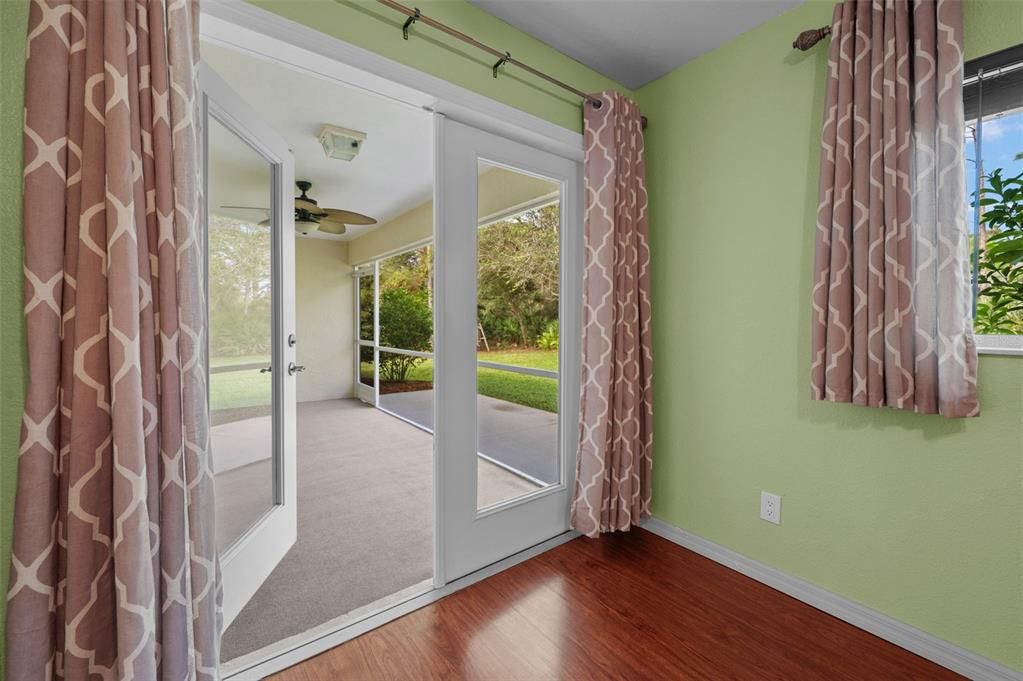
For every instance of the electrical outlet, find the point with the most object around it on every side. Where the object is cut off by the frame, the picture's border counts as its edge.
(770, 507)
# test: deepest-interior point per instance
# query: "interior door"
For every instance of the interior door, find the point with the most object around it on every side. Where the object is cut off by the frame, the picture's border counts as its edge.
(250, 233)
(506, 421)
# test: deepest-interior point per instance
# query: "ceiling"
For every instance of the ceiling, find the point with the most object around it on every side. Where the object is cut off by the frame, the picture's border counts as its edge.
(392, 173)
(634, 41)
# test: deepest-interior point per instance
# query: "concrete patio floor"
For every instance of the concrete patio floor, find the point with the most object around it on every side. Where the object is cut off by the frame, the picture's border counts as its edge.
(522, 438)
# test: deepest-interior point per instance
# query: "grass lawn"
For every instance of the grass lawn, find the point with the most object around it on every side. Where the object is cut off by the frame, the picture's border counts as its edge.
(216, 362)
(239, 389)
(529, 391)
(234, 389)
(250, 388)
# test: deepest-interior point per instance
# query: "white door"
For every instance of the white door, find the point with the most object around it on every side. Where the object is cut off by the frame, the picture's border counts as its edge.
(506, 421)
(250, 233)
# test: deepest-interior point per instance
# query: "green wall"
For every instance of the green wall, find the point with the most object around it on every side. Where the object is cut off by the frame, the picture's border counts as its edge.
(13, 22)
(916, 516)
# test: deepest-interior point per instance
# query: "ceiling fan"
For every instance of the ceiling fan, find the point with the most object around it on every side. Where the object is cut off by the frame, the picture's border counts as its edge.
(309, 216)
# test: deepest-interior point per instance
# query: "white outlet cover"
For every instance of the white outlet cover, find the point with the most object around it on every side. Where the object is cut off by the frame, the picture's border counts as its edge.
(770, 507)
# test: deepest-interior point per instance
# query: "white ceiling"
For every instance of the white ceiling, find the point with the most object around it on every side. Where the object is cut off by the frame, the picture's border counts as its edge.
(392, 173)
(634, 41)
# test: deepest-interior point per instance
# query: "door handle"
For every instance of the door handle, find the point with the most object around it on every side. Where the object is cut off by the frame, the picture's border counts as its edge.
(266, 370)
(295, 368)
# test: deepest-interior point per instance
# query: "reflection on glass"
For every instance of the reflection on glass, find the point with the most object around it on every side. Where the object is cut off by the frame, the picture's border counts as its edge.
(517, 278)
(240, 333)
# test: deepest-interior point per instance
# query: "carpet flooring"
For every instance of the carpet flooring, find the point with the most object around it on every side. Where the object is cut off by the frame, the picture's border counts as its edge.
(365, 518)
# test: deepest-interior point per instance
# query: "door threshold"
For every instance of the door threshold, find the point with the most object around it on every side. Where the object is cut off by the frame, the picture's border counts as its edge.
(295, 649)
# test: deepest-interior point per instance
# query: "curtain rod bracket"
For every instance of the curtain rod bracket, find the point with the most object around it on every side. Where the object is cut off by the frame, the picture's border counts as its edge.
(504, 59)
(409, 22)
(501, 62)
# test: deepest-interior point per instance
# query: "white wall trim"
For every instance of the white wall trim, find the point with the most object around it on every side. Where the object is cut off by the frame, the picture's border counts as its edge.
(915, 640)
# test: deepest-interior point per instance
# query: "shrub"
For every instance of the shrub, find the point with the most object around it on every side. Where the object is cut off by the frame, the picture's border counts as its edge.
(407, 323)
(548, 340)
(1000, 276)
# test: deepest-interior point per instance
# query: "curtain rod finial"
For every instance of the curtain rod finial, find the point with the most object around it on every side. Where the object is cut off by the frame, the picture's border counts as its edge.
(808, 39)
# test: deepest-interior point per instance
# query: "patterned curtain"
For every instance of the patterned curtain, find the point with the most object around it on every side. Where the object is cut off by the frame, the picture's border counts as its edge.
(892, 323)
(114, 571)
(616, 426)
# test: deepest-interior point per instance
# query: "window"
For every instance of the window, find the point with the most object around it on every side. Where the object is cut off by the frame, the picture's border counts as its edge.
(993, 105)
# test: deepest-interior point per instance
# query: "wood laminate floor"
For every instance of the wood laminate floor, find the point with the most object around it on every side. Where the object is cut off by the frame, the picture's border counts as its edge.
(630, 606)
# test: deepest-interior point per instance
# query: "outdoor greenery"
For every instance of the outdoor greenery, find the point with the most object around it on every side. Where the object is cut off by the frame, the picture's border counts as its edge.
(518, 282)
(518, 277)
(406, 323)
(1000, 274)
(239, 287)
(517, 293)
(529, 391)
(548, 340)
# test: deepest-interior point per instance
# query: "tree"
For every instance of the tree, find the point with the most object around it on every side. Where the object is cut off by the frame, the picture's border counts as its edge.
(1000, 275)
(518, 273)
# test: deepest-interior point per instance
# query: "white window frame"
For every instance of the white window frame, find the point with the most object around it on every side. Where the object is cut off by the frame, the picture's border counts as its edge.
(993, 344)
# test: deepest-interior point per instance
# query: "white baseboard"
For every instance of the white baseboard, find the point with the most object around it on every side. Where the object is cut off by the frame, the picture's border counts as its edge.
(925, 645)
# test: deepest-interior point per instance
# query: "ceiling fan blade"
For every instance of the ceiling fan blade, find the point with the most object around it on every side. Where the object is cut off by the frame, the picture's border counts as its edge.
(348, 217)
(265, 210)
(306, 204)
(332, 227)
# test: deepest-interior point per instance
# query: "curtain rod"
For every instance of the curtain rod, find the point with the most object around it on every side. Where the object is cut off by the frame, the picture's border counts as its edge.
(414, 15)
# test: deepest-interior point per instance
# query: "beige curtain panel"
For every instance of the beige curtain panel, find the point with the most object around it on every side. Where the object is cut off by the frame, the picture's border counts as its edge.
(616, 429)
(892, 322)
(114, 571)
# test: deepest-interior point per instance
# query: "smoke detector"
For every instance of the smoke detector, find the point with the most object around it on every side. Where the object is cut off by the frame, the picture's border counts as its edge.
(341, 143)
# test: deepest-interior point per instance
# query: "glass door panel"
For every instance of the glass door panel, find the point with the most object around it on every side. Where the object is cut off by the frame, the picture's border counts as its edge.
(248, 175)
(518, 266)
(240, 286)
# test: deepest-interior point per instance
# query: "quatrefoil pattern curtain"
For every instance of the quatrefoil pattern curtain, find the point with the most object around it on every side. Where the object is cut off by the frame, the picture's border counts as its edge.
(613, 477)
(892, 323)
(114, 573)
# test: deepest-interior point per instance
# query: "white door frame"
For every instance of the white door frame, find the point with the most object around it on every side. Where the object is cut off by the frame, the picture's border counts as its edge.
(243, 27)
